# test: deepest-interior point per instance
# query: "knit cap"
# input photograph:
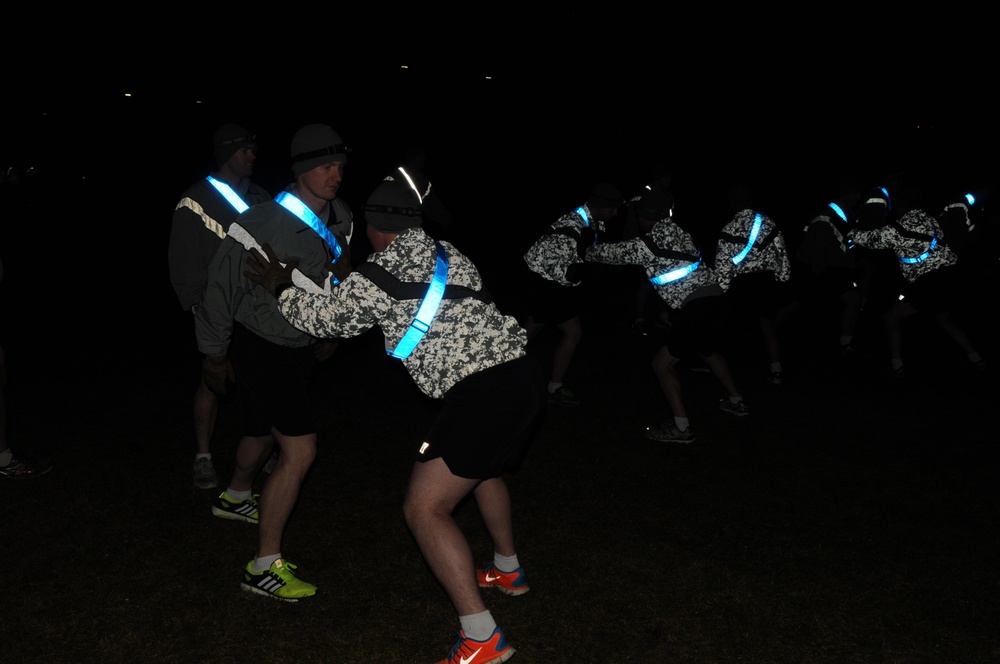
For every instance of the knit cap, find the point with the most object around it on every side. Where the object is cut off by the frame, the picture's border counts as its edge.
(605, 195)
(228, 139)
(394, 206)
(315, 145)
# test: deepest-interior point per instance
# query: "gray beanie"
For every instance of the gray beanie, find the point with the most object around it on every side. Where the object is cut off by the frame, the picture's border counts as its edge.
(228, 139)
(315, 145)
(394, 206)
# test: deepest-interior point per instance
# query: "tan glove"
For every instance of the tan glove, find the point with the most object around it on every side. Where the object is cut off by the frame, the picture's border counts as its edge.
(266, 270)
(215, 371)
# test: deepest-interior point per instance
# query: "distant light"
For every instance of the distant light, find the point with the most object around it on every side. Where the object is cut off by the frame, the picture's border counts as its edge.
(404, 66)
(128, 94)
(489, 78)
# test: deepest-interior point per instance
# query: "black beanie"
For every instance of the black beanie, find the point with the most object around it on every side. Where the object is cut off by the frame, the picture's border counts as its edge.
(394, 206)
(655, 205)
(228, 139)
(605, 195)
(315, 145)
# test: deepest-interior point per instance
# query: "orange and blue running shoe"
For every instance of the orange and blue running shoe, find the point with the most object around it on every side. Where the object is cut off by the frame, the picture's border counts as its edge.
(511, 583)
(493, 650)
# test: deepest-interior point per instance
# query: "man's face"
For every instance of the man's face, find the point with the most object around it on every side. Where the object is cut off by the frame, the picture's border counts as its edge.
(378, 239)
(324, 181)
(604, 214)
(242, 161)
(646, 224)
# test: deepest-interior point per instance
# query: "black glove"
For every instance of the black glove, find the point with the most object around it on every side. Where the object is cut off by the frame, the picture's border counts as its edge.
(574, 272)
(266, 269)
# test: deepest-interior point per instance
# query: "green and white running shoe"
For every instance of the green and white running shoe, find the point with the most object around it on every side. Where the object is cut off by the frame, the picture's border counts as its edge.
(278, 582)
(248, 510)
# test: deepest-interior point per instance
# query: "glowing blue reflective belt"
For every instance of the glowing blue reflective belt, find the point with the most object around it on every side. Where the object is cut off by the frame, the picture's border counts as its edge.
(429, 306)
(674, 275)
(754, 232)
(582, 211)
(922, 256)
(848, 242)
(836, 208)
(231, 196)
(299, 209)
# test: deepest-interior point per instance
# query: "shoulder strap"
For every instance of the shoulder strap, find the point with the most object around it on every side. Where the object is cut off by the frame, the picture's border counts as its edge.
(428, 308)
(291, 203)
(229, 194)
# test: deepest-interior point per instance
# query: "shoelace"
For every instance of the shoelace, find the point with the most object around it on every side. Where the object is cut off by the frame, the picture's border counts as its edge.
(289, 568)
(463, 647)
(458, 644)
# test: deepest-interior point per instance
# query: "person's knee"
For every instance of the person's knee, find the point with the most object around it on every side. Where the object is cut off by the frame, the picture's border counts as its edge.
(298, 451)
(664, 362)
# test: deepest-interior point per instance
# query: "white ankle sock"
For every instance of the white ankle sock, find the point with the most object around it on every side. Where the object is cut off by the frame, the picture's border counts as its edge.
(478, 626)
(505, 563)
(239, 496)
(262, 564)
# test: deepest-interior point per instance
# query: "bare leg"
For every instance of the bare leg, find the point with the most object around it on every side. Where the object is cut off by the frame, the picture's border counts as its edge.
(850, 313)
(206, 408)
(532, 328)
(430, 500)
(3, 401)
(769, 331)
(493, 499)
(281, 491)
(893, 319)
(957, 334)
(720, 369)
(665, 368)
(572, 332)
(251, 452)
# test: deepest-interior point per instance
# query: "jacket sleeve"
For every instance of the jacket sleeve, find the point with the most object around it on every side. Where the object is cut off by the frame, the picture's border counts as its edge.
(216, 314)
(189, 252)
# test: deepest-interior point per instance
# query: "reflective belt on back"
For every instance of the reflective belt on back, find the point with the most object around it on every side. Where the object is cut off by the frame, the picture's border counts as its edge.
(754, 232)
(582, 211)
(428, 308)
(674, 275)
(288, 201)
(921, 257)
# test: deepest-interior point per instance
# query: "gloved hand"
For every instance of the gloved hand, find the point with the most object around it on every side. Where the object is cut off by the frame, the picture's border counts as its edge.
(323, 350)
(215, 371)
(574, 272)
(266, 269)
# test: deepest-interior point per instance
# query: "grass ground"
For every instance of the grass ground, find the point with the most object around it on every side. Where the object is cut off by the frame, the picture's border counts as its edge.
(850, 519)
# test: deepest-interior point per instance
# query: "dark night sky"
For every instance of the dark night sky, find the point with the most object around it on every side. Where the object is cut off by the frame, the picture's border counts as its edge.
(787, 103)
(576, 96)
